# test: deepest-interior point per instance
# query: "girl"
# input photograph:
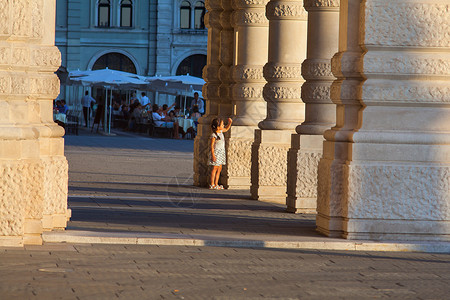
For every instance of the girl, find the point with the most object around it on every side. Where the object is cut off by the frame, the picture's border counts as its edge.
(217, 156)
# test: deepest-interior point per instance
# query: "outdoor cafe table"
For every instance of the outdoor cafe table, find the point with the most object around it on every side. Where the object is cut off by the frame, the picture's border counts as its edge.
(59, 117)
(185, 123)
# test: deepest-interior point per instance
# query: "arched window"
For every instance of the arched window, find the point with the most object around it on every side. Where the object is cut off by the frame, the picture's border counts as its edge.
(192, 65)
(104, 12)
(126, 13)
(199, 15)
(185, 15)
(115, 61)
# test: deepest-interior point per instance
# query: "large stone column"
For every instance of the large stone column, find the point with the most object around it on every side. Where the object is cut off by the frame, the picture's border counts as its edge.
(386, 166)
(251, 32)
(320, 111)
(285, 110)
(210, 92)
(33, 169)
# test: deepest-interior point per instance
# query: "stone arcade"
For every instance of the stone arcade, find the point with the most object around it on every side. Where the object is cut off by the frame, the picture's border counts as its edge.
(340, 107)
(359, 131)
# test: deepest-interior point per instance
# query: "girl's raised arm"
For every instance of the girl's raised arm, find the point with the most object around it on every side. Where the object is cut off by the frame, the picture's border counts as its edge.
(228, 125)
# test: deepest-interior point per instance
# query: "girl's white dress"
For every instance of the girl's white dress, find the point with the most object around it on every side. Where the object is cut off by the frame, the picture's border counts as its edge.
(219, 151)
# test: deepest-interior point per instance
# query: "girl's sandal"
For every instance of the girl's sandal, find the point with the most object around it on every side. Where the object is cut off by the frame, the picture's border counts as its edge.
(212, 187)
(219, 187)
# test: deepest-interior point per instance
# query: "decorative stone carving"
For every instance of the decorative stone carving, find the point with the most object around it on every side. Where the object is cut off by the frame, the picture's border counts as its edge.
(245, 73)
(321, 3)
(281, 93)
(22, 18)
(248, 17)
(5, 16)
(245, 3)
(314, 68)
(36, 13)
(426, 93)
(285, 72)
(247, 91)
(286, 10)
(317, 93)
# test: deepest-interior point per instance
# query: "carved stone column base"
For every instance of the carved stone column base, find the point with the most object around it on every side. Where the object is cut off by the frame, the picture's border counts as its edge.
(303, 161)
(237, 172)
(269, 165)
(201, 148)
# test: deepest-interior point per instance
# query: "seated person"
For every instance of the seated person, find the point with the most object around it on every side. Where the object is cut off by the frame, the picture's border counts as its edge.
(165, 109)
(161, 121)
(135, 115)
(176, 111)
(62, 108)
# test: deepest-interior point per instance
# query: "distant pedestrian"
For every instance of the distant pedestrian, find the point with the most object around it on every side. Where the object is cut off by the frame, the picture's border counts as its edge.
(217, 155)
(144, 101)
(87, 101)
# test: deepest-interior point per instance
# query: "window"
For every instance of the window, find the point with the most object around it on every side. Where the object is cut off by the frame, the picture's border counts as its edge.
(126, 13)
(115, 61)
(185, 15)
(192, 65)
(104, 9)
(199, 15)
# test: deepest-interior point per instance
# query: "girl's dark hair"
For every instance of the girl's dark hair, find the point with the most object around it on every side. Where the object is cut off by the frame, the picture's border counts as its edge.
(214, 125)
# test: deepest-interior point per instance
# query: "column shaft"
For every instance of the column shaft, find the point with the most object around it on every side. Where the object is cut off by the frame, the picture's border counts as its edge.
(386, 164)
(251, 31)
(320, 111)
(285, 110)
(211, 92)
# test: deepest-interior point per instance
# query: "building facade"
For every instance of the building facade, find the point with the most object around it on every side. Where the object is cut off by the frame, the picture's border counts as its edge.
(138, 36)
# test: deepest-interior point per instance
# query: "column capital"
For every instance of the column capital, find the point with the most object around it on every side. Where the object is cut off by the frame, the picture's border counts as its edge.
(286, 10)
(311, 5)
(249, 3)
(251, 16)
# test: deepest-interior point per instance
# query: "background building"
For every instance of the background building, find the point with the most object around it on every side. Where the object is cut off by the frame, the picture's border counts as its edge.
(139, 36)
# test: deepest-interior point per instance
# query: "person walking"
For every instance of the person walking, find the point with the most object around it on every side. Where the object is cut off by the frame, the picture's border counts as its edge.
(86, 102)
(217, 155)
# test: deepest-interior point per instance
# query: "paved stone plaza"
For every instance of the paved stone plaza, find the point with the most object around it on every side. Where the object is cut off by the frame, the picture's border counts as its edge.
(131, 186)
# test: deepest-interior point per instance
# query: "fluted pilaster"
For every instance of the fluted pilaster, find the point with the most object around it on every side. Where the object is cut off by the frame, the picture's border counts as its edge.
(285, 109)
(320, 111)
(211, 91)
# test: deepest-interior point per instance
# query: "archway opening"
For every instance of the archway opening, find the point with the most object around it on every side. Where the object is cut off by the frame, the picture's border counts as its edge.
(115, 61)
(192, 65)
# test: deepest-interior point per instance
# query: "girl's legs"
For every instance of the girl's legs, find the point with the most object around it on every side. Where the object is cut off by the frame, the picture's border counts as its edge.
(213, 175)
(216, 180)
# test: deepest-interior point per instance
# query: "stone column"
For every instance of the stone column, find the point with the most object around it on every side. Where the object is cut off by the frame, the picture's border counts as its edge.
(285, 110)
(210, 92)
(386, 166)
(33, 169)
(251, 32)
(320, 111)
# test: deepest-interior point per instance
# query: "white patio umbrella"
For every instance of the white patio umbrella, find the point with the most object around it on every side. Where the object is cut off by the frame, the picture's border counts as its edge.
(108, 79)
(176, 85)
